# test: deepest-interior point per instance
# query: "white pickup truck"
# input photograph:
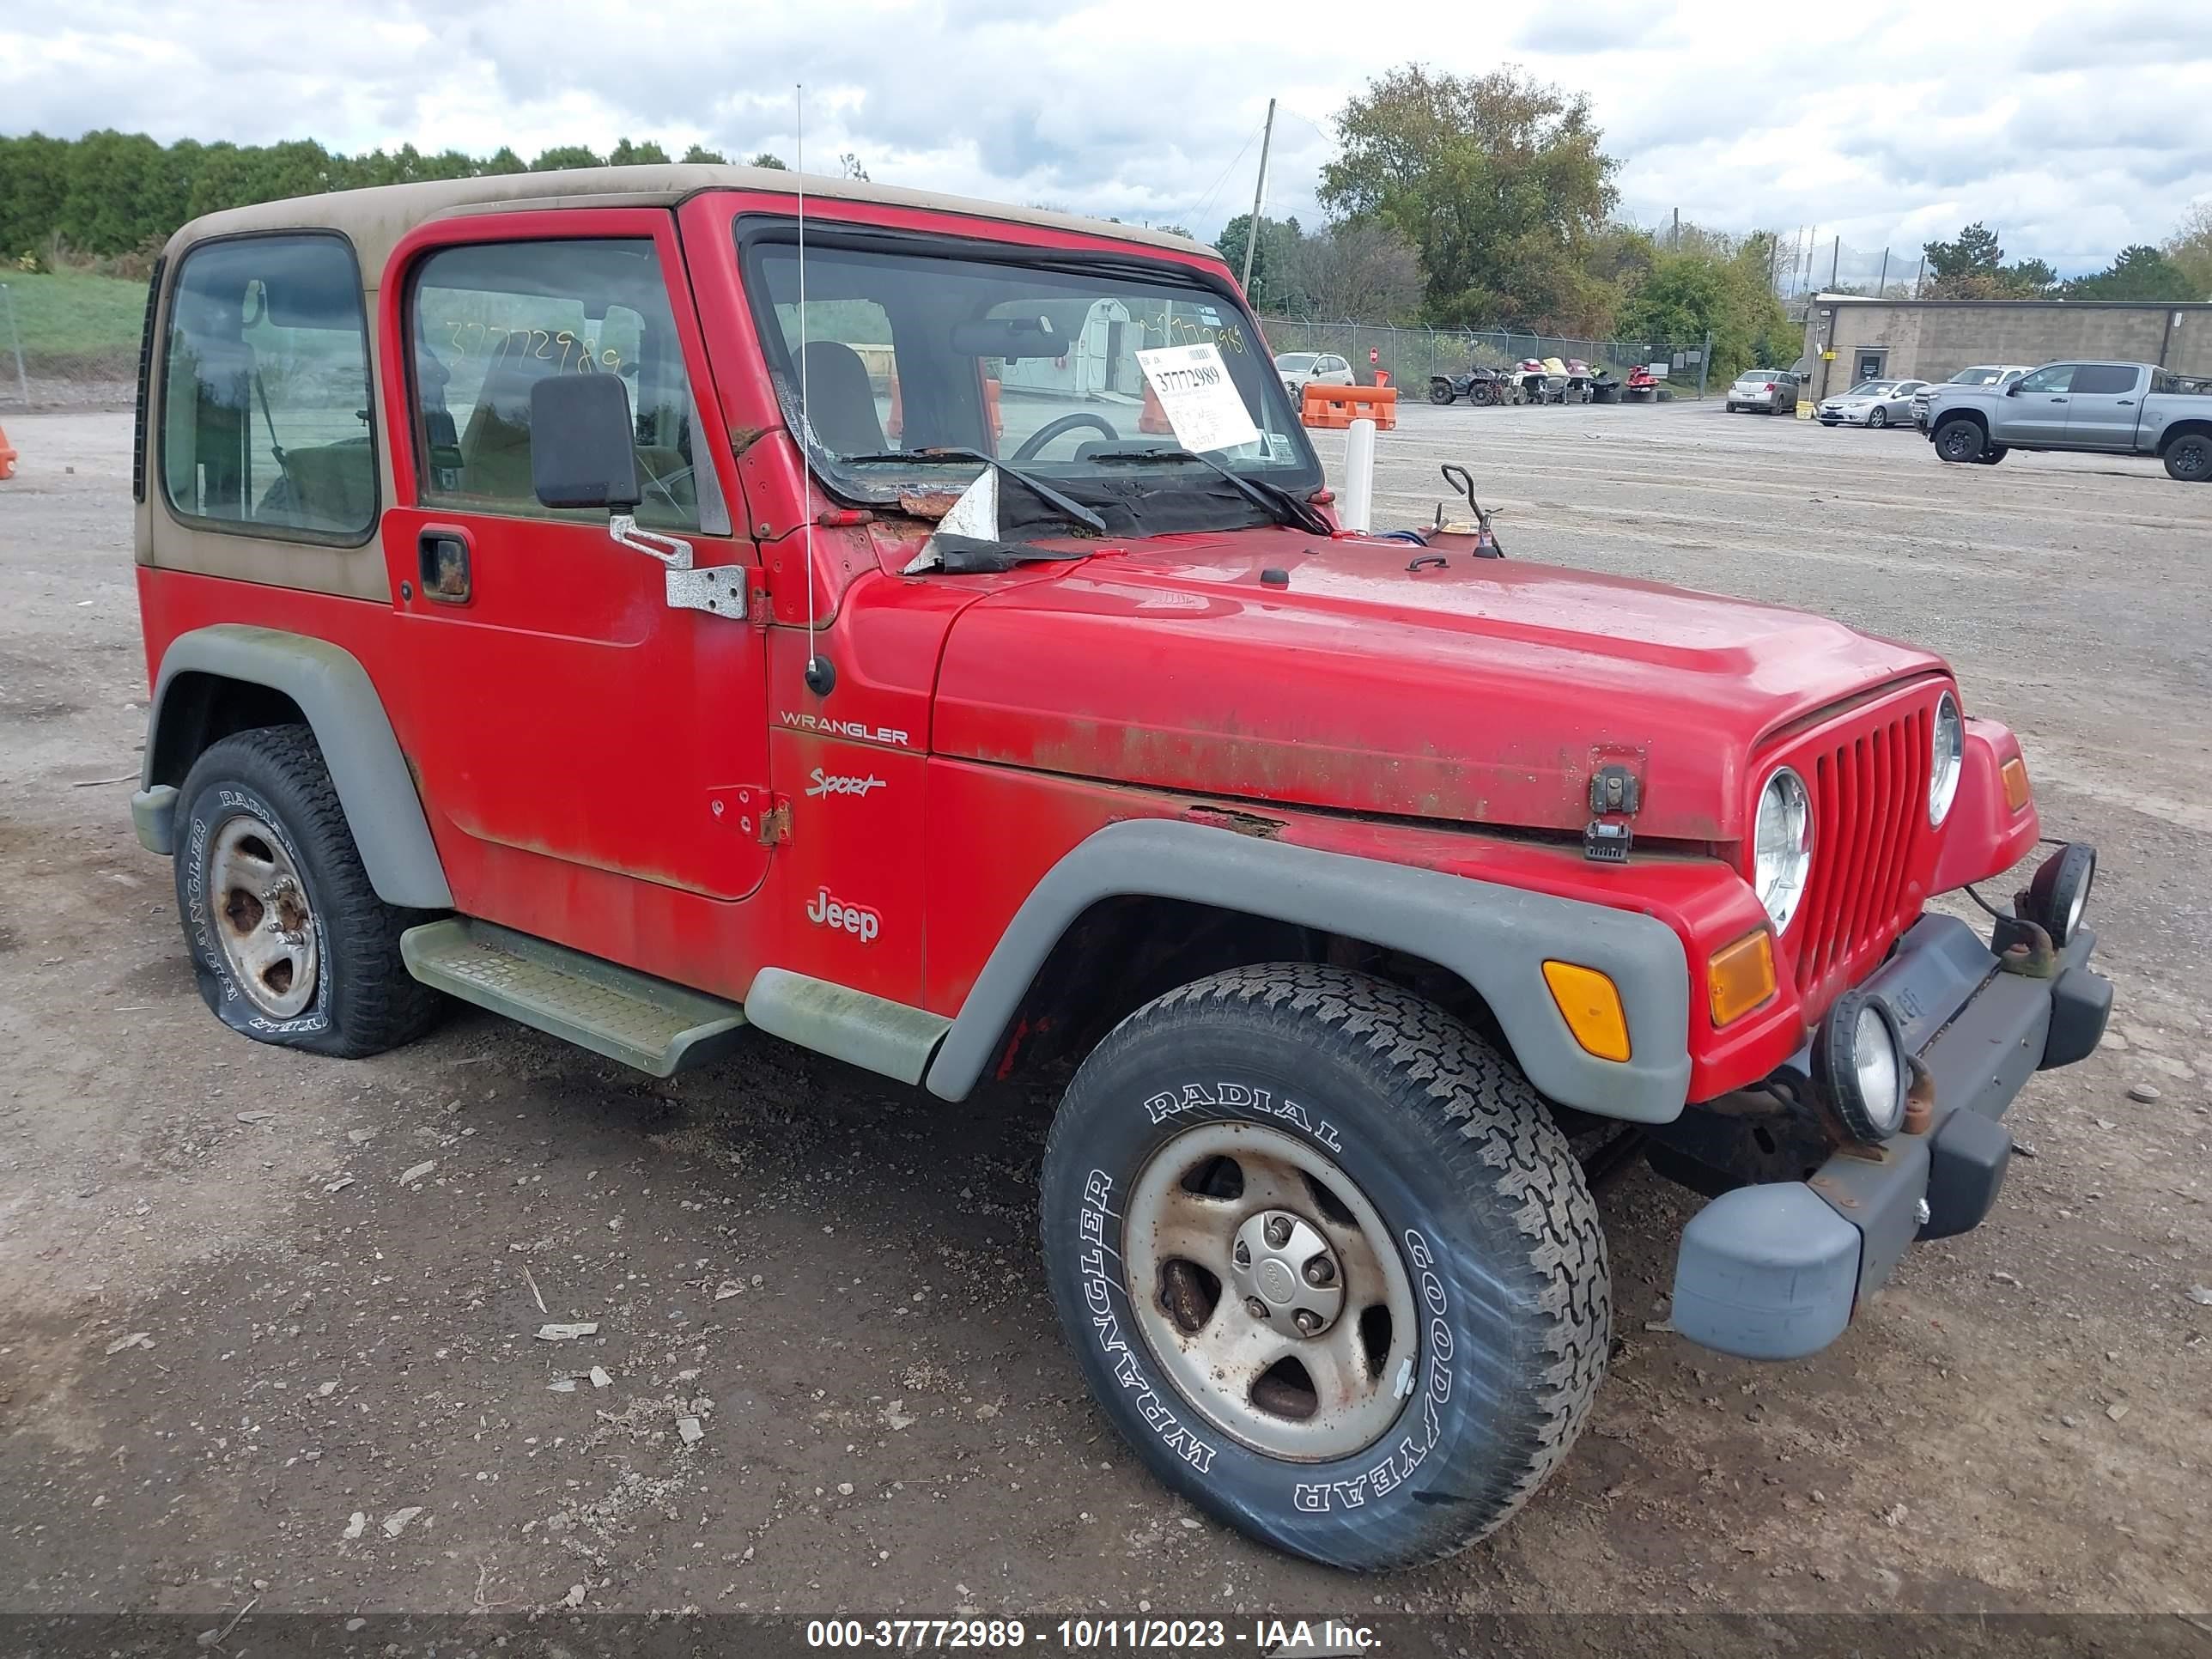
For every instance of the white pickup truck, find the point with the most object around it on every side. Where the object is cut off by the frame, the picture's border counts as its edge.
(2125, 409)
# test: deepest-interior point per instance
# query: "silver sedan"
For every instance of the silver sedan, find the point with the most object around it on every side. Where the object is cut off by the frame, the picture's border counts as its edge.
(1871, 403)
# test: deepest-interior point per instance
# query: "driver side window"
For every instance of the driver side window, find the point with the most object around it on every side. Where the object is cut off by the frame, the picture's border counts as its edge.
(2056, 378)
(491, 320)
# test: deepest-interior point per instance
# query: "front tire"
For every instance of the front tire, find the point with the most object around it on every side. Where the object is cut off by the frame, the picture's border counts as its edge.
(1960, 439)
(2189, 457)
(1327, 1263)
(290, 943)
(1878, 418)
(1439, 393)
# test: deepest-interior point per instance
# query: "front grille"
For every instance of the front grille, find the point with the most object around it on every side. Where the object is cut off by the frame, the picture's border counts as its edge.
(1869, 794)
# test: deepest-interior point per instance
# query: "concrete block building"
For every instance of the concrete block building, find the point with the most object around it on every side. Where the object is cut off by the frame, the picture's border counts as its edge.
(1932, 339)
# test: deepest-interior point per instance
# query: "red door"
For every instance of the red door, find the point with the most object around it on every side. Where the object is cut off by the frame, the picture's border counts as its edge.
(575, 735)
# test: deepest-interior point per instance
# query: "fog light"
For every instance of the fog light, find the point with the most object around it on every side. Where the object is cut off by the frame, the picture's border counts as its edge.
(1590, 1004)
(2059, 894)
(1861, 1065)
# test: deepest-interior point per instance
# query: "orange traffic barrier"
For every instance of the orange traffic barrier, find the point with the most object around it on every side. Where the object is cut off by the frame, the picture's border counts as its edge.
(1339, 406)
(7, 457)
(1151, 418)
(896, 425)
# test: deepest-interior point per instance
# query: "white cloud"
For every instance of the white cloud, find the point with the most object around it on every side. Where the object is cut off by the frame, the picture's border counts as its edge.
(2072, 130)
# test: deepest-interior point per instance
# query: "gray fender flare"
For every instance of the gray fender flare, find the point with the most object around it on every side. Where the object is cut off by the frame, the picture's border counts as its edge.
(1496, 938)
(340, 701)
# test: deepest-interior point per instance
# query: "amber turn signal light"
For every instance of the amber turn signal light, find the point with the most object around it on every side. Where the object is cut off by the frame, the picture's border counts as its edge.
(1590, 1004)
(1740, 977)
(2015, 783)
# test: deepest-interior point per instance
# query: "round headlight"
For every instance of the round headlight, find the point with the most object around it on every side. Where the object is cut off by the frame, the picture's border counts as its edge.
(1781, 845)
(1862, 1067)
(1948, 760)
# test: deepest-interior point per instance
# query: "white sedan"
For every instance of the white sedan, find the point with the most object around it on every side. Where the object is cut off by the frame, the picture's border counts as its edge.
(1871, 403)
(1302, 369)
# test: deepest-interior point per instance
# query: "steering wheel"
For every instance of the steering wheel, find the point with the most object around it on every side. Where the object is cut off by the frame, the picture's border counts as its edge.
(1044, 434)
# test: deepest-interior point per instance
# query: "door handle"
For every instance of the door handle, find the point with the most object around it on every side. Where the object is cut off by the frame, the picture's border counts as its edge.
(2127, 403)
(441, 554)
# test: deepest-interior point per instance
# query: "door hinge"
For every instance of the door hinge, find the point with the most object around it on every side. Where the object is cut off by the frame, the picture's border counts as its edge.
(751, 809)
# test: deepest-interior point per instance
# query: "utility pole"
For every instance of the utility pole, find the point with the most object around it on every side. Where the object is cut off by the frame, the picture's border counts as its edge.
(1259, 191)
(1881, 283)
(1675, 244)
(1835, 262)
(1922, 273)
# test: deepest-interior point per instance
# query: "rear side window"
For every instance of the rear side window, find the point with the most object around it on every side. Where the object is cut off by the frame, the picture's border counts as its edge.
(265, 391)
(490, 320)
(2108, 378)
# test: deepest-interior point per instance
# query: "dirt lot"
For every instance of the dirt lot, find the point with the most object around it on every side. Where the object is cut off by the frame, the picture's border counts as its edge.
(240, 1354)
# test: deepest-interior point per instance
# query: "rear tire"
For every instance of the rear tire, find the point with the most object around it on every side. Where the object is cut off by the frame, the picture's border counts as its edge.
(290, 943)
(1374, 1128)
(2189, 457)
(1960, 439)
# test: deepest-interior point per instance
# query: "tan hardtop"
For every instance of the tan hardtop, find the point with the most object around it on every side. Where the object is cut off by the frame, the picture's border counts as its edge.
(375, 219)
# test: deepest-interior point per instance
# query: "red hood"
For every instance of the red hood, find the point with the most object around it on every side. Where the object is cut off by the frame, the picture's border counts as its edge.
(1483, 692)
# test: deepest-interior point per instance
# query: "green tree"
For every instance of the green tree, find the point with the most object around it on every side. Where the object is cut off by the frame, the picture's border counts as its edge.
(33, 181)
(2029, 279)
(502, 161)
(2141, 272)
(1690, 295)
(2189, 248)
(566, 155)
(1497, 180)
(766, 159)
(1272, 287)
(627, 154)
(1951, 265)
(699, 153)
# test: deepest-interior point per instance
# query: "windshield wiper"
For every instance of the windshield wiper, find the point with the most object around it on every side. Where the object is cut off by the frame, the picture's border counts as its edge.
(1073, 509)
(1271, 498)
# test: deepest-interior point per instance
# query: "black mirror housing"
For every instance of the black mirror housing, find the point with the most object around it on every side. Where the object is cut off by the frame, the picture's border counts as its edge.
(581, 451)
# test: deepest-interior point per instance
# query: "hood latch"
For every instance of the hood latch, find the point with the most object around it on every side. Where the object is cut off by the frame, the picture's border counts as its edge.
(1614, 795)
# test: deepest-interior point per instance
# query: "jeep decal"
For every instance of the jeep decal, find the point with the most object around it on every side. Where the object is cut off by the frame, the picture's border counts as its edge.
(859, 731)
(857, 920)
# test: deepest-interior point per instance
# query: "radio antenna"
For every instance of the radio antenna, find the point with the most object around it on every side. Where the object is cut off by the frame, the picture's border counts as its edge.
(820, 676)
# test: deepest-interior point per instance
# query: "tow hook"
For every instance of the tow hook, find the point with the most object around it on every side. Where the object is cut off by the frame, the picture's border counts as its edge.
(2024, 948)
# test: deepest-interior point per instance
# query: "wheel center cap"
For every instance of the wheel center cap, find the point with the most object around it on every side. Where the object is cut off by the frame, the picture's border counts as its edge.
(1286, 1272)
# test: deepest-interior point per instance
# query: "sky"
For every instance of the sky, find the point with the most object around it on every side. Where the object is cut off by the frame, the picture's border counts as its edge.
(2073, 129)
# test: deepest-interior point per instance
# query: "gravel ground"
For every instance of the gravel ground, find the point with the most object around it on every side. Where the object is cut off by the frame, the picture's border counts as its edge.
(269, 1325)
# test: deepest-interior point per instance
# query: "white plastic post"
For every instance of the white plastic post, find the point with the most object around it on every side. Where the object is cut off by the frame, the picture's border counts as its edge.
(1355, 509)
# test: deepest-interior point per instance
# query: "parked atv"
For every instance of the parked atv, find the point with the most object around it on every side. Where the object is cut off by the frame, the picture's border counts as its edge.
(1480, 387)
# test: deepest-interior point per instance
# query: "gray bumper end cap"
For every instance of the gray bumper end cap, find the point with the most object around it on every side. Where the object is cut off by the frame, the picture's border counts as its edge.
(153, 816)
(1767, 1273)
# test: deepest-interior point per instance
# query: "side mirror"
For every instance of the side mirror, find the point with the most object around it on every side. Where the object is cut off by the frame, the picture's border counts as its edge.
(581, 449)
(2012, 388)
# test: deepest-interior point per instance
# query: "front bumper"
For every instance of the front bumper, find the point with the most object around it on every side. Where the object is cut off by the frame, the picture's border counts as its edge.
(1776, 1271)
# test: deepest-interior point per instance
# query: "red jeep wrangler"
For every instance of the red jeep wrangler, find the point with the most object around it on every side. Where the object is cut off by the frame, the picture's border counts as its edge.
(653, 606)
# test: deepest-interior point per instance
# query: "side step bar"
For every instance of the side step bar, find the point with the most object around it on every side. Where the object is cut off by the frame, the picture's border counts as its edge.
(656, 1026)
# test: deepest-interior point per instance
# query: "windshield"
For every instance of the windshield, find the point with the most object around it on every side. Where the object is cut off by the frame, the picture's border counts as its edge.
(1292, 362)
(1977, 377)
(1042, 361)
(1871, 389)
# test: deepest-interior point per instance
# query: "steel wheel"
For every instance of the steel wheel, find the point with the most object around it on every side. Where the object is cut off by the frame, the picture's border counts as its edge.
(262, 918)
(1270, 1291)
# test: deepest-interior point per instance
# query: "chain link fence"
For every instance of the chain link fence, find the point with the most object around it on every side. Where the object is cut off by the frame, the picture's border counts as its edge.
(1410, 356)
(1804, 264)
(68, 338)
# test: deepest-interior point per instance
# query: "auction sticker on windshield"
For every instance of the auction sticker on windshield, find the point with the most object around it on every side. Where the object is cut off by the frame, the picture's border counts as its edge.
(1197, 396)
